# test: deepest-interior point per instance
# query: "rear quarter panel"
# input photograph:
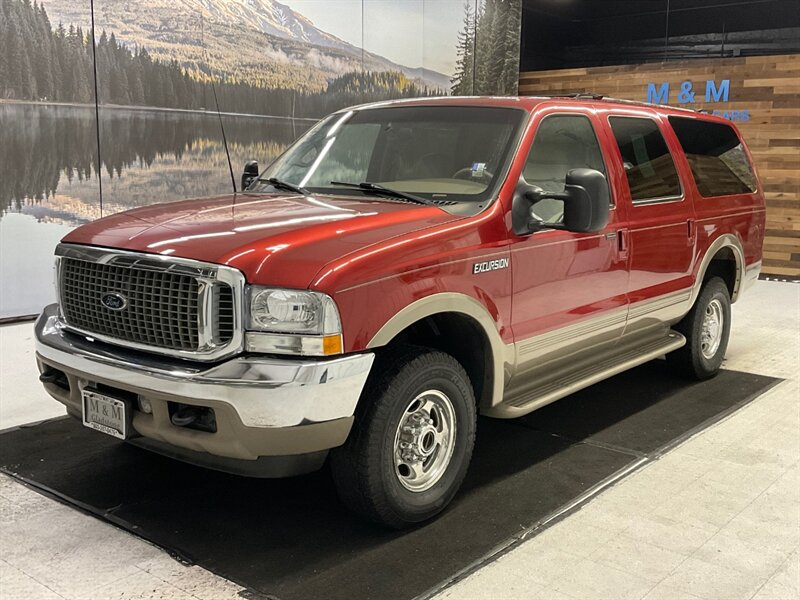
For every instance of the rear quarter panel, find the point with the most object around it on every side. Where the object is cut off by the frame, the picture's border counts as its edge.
(742, 216)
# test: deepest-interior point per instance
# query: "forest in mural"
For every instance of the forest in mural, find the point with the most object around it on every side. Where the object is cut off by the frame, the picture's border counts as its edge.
(488, 49)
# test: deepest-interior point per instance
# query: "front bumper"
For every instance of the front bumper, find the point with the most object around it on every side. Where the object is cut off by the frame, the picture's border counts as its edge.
(264, 406)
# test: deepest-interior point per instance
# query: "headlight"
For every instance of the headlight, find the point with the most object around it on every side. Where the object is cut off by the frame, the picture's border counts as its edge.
(293, 311)
(293, 322)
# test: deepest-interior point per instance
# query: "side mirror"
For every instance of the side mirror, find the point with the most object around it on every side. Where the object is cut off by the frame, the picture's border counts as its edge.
(586, 204)
(250, 173)
(586, 209)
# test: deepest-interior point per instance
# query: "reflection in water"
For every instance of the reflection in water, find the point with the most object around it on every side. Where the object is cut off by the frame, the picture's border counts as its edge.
(48, 158)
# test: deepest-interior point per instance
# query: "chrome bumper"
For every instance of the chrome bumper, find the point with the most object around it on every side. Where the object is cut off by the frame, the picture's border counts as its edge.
(265, 392)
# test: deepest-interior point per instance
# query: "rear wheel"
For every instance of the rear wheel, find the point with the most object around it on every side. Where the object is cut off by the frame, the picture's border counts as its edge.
(707, 329)
(412, 440)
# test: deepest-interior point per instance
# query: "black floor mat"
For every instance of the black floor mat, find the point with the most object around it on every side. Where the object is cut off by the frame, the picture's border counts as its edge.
(291, 538)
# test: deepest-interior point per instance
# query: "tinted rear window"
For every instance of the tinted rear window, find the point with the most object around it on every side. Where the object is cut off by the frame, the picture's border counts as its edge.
(648, 164)
(716, 155)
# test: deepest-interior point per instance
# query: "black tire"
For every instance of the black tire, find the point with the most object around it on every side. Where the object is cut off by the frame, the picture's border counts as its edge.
(694, 360)
(364, 470)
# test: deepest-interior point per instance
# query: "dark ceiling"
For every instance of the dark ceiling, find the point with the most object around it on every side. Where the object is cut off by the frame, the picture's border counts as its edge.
(768, 11)
(570, 33)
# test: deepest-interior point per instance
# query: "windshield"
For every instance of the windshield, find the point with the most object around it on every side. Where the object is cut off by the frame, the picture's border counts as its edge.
(450, 153)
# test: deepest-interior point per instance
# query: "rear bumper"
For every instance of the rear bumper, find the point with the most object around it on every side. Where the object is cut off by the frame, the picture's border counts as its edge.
(264, 406)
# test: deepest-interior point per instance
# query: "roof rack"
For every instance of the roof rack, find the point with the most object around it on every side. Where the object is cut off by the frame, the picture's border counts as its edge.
(593, 96)
(577, 95)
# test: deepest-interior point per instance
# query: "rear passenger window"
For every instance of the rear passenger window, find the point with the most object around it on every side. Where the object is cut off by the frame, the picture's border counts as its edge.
(716, 155)
(648, 164)
(562, 143)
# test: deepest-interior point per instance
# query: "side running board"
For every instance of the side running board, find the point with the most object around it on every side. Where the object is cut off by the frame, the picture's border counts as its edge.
(589, 374)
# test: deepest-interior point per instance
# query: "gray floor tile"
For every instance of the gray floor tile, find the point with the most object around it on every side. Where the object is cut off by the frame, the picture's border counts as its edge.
(666, 592)
(16, 585)
(639, 558)
(593, 581)
(734, 553)
(541, 567)
(784, 583)
(141, 585)
(678, 536)
(496, 584)
(713, 582)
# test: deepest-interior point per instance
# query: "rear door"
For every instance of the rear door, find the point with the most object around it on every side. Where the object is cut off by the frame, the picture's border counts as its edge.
(661, 233)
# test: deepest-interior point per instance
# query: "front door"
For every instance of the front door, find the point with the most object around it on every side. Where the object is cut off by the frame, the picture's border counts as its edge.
(570, 289)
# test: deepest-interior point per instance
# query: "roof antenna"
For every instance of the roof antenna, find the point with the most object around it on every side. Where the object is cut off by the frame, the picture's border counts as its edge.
(224, 139)
(216, 103)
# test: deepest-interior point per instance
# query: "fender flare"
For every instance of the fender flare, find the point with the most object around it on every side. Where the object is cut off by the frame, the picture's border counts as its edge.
(450, 302)
(727, 240)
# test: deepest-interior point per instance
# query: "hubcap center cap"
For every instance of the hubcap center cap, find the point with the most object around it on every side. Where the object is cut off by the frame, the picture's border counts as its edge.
(427, 440)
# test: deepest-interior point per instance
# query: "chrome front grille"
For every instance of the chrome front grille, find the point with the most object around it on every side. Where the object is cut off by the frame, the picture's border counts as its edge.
(161, 310)
(172, 306)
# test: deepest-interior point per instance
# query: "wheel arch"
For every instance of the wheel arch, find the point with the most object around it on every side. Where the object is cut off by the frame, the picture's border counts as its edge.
(446, 311)
(716, 261)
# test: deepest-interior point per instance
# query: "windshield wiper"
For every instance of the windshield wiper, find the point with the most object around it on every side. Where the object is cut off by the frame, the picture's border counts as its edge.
(279, 184)
(379, 189)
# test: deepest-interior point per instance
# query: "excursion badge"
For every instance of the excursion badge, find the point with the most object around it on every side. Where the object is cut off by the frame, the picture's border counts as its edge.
(490, 265)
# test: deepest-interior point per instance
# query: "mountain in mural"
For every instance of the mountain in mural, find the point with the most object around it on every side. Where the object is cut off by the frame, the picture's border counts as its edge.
(260, 42)
(269, 17)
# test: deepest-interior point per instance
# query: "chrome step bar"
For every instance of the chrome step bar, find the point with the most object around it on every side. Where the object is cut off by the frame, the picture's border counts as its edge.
(593, 372)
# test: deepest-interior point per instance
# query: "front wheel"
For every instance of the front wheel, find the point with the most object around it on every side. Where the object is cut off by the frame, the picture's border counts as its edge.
(707, 329)
(412, 440)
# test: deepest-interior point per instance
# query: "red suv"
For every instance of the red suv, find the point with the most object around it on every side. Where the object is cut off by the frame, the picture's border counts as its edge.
(400, 268)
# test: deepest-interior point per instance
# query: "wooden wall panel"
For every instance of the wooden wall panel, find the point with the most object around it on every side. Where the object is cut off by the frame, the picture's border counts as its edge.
(767, 86)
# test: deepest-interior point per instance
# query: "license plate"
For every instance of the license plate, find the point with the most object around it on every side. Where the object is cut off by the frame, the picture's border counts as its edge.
(106, 414)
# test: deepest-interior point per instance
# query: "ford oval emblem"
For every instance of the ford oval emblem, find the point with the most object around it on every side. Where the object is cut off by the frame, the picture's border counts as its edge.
(114, 301)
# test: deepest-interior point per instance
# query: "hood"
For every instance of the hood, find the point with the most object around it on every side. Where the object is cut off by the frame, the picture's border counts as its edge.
(281, 240)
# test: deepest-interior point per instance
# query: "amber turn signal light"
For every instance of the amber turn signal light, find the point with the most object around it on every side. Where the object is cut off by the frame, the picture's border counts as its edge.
(332, 344)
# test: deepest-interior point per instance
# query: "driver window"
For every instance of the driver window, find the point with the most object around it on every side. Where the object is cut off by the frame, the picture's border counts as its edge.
(562, 143)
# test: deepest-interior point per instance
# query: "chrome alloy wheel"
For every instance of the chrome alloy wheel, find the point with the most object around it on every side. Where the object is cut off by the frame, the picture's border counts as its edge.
(424, 441)
(711, 334)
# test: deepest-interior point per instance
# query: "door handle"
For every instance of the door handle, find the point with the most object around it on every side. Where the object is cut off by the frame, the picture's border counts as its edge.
(622, 244)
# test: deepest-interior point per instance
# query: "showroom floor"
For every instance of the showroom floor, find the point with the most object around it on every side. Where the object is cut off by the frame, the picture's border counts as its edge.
(716, 518)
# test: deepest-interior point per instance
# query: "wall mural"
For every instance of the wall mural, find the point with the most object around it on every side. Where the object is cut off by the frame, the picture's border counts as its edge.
(276, 67)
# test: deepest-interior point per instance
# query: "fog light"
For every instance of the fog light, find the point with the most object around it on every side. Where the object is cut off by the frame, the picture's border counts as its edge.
(145, 406)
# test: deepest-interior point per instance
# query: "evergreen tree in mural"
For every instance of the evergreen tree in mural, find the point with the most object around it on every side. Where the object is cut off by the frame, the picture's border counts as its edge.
(41, 64)
(488, 49)
(464, 77)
